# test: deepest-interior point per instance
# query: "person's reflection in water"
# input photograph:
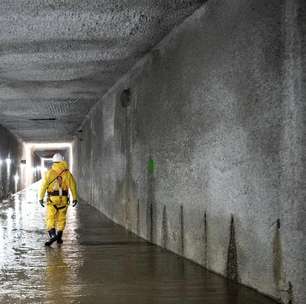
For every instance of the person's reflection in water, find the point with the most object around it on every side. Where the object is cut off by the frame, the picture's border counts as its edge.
(57, 277)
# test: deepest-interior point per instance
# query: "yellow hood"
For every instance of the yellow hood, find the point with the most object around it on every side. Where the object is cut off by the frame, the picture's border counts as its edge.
(59, 167)
(51, 176)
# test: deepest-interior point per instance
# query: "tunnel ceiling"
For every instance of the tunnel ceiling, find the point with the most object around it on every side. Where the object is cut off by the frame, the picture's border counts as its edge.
(57, 58)
(48, 153)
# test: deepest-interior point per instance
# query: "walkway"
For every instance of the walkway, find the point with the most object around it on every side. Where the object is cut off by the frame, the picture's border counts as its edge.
(99, 262)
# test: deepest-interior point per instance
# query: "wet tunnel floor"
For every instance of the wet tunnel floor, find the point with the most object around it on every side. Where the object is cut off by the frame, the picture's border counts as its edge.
(99, 262)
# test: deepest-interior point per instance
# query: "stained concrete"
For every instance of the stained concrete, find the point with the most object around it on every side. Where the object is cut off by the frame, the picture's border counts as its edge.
(57, 58)
(219, 106)
(10, 147)
(99, 262)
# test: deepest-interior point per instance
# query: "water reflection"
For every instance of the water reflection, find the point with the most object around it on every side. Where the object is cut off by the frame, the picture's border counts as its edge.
(16, 181)
(99, 262)
(29, 272)
(58, 276)
(8, 174)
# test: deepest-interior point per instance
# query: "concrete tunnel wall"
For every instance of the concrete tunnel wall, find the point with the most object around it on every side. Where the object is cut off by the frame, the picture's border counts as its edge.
(208, 160)
(10, 147)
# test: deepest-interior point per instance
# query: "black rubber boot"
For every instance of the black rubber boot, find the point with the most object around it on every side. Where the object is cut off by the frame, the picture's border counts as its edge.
(53, 237)
(59, 237)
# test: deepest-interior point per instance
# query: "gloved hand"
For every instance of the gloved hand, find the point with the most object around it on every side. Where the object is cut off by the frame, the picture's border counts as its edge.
(74, 203)
(41, 203)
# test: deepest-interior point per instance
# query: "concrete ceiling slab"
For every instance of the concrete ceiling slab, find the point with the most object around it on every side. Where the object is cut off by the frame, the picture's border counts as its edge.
(51, 152)
(58, 57)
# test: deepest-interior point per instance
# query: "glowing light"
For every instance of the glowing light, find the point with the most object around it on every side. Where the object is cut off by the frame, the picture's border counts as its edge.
(8, 162)
(8, 168)
(16, 178)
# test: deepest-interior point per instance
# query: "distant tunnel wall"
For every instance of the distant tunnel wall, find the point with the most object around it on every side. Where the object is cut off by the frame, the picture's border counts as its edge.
(208, 160)
(10, 148)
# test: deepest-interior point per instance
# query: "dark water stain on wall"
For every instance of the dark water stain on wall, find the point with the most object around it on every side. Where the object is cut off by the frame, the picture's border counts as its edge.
(150, 222)
(127, 151)
(165, 232)
(205, 236)
(277, 256)
(182, 227)
(151, 204)
(232, 258)
(181, 265)
(138, 217)
(125, 132)
(290, 294)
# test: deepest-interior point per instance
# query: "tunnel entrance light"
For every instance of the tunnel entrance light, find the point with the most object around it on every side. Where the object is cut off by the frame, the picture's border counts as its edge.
(31, 169)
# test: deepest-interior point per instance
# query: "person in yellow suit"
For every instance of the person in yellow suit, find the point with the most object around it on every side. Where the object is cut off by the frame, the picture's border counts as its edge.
(57, 182)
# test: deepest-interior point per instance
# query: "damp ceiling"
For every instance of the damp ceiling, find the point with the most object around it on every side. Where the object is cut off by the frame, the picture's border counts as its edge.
(57, 58)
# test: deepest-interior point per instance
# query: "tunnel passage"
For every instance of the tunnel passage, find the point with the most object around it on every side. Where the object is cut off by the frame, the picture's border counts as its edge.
(185, 122)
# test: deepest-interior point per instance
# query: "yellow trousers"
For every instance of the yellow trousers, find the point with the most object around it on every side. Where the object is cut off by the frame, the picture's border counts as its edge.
(56, 217)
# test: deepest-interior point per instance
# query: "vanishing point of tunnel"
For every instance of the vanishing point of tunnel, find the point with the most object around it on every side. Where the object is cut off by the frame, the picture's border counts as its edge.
(152, 151)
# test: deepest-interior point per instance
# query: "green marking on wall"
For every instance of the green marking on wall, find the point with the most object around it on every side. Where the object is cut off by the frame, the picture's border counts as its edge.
(151, 165)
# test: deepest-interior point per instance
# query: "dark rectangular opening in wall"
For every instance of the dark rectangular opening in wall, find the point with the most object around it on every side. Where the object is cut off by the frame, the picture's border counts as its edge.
(42, 119)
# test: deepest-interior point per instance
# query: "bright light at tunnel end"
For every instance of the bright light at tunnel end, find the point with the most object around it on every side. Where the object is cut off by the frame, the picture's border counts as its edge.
(29, 147)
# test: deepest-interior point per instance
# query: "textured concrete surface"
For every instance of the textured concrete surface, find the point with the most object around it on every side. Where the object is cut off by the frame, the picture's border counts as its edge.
(57, 58)
(99, 262)
(10, 147)
(208, 160)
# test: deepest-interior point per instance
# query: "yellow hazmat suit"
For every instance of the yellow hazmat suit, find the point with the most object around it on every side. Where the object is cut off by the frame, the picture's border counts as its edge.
(57, 182)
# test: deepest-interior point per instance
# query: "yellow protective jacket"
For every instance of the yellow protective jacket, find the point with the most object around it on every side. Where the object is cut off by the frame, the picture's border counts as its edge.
(58, 180)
